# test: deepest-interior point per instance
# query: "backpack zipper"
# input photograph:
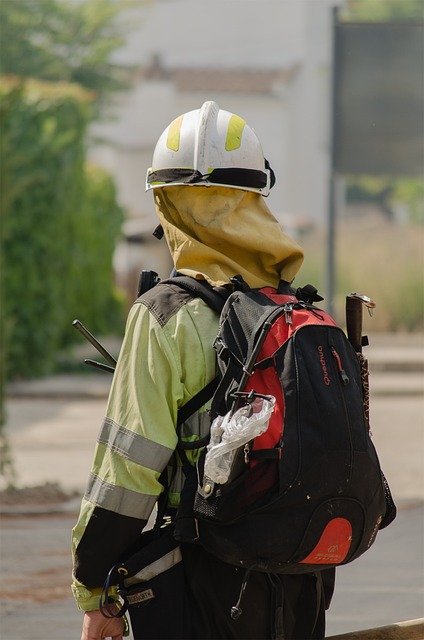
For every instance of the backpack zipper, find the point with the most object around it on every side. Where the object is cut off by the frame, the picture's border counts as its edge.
(290, 306)
(342, 373)
(344, 381)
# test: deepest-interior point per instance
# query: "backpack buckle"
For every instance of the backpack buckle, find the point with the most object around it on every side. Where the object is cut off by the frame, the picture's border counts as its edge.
(206, 489)
(239, 283)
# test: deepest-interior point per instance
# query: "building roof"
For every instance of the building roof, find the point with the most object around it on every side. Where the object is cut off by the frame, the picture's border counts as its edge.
(219, 80)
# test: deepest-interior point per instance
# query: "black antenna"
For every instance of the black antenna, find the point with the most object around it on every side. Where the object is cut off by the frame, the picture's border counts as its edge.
(100, 348)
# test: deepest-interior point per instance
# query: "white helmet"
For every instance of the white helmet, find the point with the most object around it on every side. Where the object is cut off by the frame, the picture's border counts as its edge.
(210, 146)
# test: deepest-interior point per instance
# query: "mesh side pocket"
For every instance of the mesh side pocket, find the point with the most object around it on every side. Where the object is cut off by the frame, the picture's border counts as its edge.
(391, 509)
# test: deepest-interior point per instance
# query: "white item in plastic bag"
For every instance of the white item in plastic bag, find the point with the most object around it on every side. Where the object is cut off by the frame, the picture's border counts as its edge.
(228, 433)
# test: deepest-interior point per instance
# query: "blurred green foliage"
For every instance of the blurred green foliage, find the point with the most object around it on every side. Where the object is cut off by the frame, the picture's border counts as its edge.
(67, 41)
(389, 193)
(377, 258)
(59, 220)
(382, 10)
(60, 224)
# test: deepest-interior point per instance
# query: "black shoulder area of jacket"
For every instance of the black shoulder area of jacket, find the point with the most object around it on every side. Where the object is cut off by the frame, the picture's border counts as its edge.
(168, 296)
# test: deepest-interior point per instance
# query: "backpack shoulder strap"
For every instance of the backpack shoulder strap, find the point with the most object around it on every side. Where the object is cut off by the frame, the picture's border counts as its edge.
(194, 405)
(215, 297)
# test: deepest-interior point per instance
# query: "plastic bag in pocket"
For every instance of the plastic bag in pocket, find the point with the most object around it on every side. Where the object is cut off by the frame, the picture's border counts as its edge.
(232, 431)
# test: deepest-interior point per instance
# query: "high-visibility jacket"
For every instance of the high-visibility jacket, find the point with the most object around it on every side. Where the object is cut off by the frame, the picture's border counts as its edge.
(166, 358)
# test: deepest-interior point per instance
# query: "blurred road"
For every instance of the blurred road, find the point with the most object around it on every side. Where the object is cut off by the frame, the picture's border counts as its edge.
(51, 429)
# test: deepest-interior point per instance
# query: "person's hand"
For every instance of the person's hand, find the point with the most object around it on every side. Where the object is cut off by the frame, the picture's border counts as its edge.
(96, 627)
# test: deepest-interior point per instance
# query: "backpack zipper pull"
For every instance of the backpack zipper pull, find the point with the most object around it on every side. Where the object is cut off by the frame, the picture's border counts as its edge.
(343, 375)
(246, 451)
(288, 313)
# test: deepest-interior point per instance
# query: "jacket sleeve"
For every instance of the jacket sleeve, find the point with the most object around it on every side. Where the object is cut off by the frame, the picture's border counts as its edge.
(159, 368)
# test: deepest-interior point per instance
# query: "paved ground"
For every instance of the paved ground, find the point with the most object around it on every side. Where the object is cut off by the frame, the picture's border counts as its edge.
(52, 425)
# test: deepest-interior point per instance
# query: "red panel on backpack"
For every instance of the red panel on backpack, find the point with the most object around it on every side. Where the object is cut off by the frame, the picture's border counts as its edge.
(334, 544)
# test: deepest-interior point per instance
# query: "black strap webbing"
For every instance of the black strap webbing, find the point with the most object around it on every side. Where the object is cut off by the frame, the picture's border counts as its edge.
(215, 297)
(196, 402)
(232, 176)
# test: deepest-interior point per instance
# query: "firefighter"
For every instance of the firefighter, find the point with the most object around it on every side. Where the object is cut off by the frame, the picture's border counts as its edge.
(208, 179)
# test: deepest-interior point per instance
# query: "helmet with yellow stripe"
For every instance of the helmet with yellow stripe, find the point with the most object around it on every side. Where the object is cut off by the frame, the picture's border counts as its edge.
(210, 146)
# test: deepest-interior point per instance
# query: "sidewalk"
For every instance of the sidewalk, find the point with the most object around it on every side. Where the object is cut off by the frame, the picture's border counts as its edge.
(396, 365)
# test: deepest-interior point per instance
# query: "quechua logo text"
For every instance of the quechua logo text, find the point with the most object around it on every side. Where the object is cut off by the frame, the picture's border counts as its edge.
(323, 364)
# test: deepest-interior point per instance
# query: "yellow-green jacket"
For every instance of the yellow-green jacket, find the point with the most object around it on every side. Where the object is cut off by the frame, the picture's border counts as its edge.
(166, 358)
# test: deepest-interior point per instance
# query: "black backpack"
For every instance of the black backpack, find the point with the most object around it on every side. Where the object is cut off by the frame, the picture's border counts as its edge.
(308, 494)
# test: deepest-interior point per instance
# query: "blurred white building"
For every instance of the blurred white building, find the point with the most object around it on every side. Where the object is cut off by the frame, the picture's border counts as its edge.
(269, 61)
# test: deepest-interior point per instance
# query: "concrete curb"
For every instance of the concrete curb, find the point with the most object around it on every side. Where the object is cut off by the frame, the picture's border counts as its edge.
(88, 386)
(388, 382)
(396, 364)
(69, 507)
(387, 354)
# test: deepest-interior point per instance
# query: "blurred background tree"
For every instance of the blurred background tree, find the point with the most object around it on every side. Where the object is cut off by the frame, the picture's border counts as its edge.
(382, 11)
(60, 220)
(64, 41)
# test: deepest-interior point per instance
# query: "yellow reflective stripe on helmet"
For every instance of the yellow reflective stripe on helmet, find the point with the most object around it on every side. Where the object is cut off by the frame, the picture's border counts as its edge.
(235, 129)
(173, 141)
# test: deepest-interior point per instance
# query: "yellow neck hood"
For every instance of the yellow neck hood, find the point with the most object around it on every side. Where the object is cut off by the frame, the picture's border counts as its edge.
(218, 232)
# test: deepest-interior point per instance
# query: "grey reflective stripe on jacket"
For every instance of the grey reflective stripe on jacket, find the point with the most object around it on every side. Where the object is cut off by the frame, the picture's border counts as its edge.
(133, 446)
(119, 500)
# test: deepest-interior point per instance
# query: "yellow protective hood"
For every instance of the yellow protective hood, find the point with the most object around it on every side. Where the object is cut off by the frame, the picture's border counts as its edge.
(219, 232)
